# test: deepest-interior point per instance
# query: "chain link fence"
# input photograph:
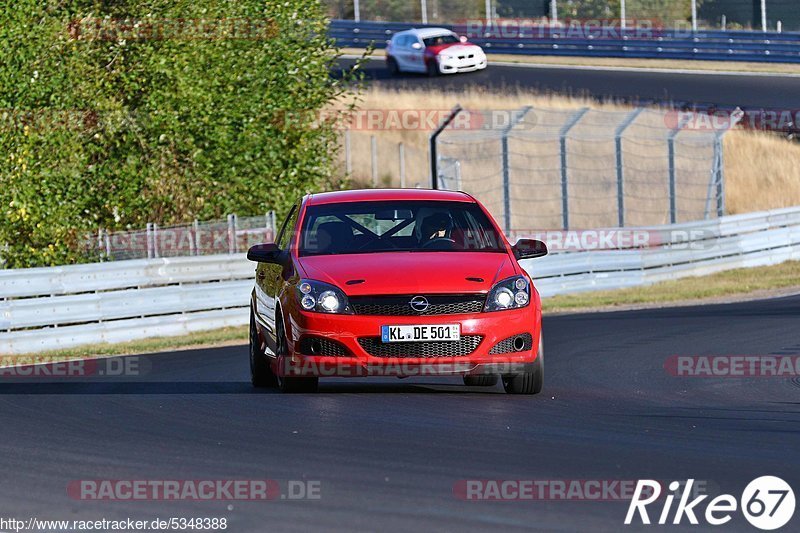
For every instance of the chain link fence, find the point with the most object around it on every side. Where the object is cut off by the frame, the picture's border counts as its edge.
(229, 235)
(589, 168)
(553, 168)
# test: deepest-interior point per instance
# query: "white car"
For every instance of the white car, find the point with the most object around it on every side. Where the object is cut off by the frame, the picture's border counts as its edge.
(433, 50)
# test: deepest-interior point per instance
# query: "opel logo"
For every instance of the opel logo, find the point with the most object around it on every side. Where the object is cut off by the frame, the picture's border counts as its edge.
(419, 304)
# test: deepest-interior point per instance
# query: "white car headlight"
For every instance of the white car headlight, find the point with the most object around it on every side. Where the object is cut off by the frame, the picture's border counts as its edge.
(510, 293)
(322, 297)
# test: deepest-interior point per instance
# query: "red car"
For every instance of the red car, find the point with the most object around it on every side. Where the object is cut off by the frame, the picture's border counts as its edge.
(402, 282)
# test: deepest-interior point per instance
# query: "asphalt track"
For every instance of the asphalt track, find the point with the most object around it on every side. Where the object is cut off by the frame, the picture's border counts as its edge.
(388, 452)
(770, 91)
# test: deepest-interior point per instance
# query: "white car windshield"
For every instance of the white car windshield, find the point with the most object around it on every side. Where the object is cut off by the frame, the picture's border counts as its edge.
(438, 40)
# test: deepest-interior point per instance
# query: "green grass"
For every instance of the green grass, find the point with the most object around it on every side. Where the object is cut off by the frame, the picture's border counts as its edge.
(732, 283)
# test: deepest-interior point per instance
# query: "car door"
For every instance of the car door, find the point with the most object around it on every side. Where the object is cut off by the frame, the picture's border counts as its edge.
(416, 54)
(269, 279)
(400, 51)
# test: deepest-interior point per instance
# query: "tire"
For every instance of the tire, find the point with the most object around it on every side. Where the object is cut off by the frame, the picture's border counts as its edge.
(290, 384)
(528, 382)
(487, 380)
(391, 64)
(260, 373)
(433, 68)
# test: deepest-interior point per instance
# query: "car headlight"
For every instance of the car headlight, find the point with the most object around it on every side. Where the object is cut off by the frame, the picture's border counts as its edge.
(322, 297)
(510, 293)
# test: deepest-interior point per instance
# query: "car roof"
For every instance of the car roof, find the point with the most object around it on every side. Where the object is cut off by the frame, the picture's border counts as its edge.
(424, 33)
(374, 195)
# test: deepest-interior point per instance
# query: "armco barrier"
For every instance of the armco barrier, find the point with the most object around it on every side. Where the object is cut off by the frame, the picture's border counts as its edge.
(634, 43)
(50, 308)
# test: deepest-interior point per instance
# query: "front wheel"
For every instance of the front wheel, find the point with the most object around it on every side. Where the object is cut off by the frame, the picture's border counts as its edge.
(290, 383)
(433, 68)
(528, 382)
(260, 373)
(391, 64)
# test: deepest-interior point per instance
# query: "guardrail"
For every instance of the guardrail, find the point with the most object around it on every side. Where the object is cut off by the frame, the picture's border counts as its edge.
(770, 47)
(50, 308)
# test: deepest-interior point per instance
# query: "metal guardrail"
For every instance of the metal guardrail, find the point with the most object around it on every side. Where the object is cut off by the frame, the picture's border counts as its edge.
(770, 47)
(60, 307)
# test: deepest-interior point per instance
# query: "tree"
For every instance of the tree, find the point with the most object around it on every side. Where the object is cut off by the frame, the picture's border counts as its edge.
(114, 114)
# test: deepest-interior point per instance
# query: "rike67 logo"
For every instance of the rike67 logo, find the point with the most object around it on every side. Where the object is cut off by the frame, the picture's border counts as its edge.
(767, 503)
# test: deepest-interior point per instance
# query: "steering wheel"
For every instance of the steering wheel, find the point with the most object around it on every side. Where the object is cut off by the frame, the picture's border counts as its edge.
(438, 241)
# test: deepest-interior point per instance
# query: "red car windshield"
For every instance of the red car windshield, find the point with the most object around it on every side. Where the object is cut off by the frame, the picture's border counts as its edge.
(440, 40)
(408, 226)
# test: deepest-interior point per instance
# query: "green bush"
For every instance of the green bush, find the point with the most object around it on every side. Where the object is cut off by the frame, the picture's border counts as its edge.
(107, 124)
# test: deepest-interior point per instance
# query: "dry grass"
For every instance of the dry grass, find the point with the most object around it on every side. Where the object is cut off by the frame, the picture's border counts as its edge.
(762, 170)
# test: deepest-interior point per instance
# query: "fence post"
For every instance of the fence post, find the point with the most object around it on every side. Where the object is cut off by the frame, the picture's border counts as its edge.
(232, 234)
(196, 239)
(107, 240)
(156, 252)
(673, 215)
(423, 4)
(574, 119)
(148, 234)
(348, 160)
(720, 177)
(401, 155)
(620, 164)
(504, 161)
(713, 183)
(432, 145)
(736, 116)
(373, 144)
(673, 208)
(356, 11)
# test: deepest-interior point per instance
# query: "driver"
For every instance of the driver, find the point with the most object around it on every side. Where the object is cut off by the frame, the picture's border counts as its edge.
(436, 226)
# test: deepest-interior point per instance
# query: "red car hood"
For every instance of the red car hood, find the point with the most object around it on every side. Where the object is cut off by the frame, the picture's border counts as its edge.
(410, 272)
(453, 48)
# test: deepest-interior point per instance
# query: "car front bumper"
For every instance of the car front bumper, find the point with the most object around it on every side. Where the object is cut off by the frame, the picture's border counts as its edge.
(453, 66)
(354, 359)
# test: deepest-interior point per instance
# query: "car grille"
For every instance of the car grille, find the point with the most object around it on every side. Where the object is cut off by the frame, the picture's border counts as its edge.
(440, 304)
(433, 349)
(322, 346)
(507, 345)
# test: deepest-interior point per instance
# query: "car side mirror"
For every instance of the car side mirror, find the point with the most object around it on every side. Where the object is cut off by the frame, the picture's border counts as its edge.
(463, 38)
(265, 253)
(529, 248)
(416, 46)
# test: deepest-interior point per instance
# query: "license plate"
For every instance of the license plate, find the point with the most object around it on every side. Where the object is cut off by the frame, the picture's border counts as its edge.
(439, 332)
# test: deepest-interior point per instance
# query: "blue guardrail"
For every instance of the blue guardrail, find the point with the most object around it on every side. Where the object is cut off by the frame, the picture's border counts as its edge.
(769, 47)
